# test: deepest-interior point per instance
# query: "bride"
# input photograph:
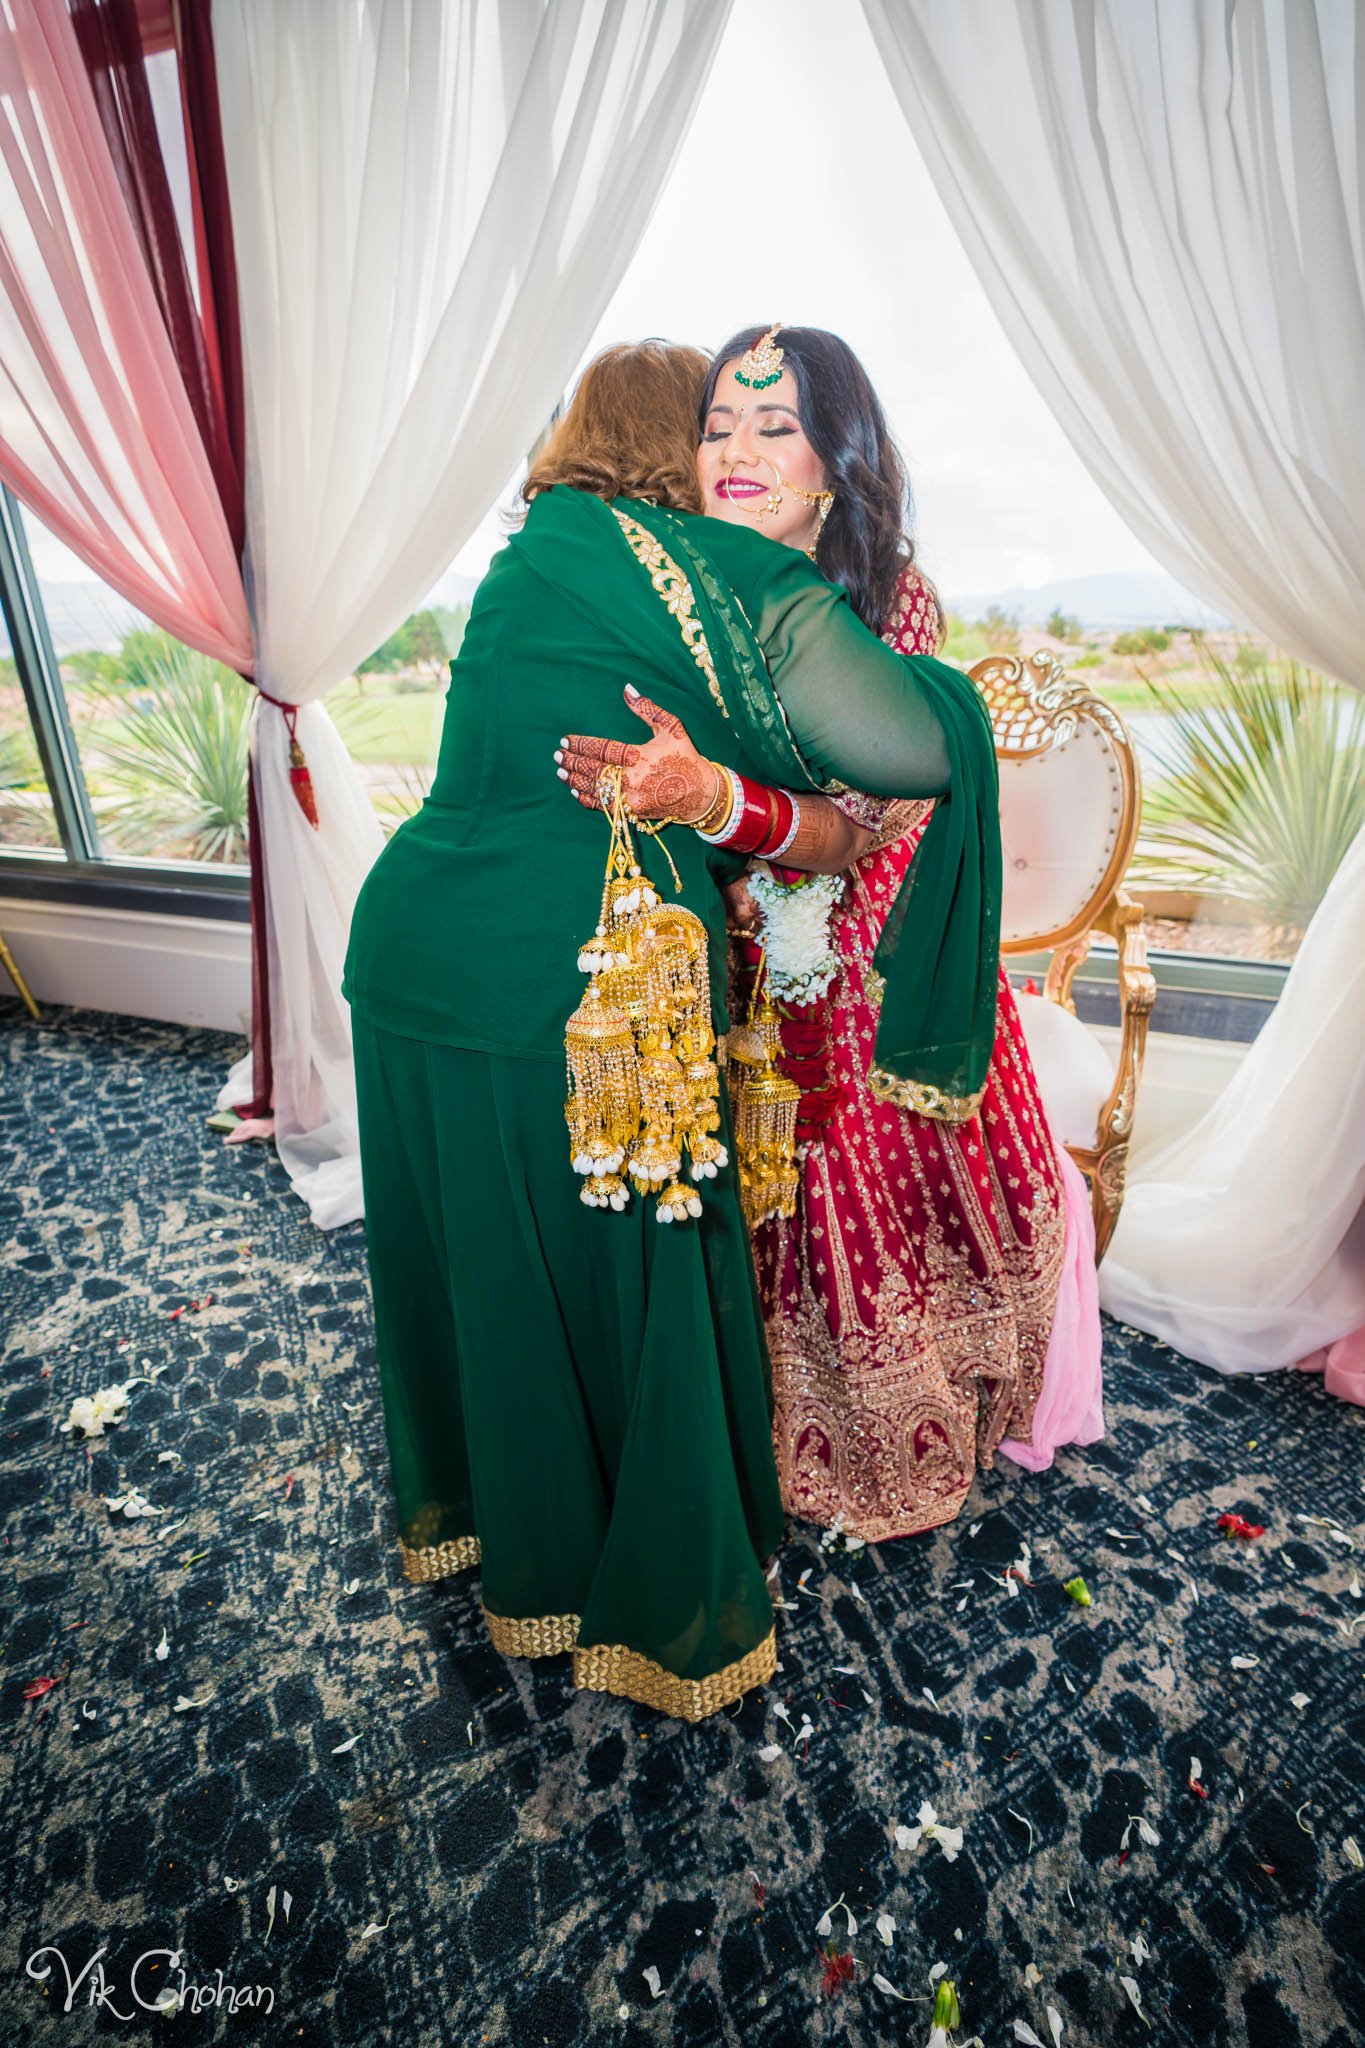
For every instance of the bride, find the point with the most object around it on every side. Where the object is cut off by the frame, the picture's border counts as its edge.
(932, 1297)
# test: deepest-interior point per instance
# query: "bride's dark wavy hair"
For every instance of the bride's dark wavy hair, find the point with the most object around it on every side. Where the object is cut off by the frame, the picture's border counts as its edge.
(866, 544)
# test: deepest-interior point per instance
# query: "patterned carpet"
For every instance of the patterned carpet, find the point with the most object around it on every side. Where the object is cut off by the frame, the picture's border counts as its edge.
(406, 1841)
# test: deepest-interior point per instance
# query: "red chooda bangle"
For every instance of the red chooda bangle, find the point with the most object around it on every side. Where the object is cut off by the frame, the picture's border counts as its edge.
(763, 821)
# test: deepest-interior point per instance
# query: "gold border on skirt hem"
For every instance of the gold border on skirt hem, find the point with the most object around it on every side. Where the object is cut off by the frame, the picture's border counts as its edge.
(537, 1635)
(610, 1667)
(427, 1561)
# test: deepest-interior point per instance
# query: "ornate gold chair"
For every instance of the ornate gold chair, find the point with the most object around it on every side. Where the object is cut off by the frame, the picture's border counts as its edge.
(1070, 799)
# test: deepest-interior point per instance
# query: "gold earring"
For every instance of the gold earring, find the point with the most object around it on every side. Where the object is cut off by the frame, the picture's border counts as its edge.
(825, 500)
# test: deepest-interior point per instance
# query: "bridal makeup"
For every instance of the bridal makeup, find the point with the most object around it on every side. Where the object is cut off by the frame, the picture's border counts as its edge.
(754, 459)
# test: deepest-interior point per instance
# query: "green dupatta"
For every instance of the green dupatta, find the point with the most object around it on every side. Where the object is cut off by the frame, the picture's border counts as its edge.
(938, 955)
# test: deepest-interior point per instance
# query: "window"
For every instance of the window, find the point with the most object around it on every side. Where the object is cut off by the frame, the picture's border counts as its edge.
(144, 740)
(1253, 772)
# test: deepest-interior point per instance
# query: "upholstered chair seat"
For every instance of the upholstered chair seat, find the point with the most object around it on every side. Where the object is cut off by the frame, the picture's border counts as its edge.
(1070, 801)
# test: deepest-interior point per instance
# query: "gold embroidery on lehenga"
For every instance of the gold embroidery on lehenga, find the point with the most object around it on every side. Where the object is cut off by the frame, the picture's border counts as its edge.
(883, 1425)
(677, 594)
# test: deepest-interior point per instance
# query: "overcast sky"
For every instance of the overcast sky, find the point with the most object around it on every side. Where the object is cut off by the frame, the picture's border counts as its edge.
(846, 231)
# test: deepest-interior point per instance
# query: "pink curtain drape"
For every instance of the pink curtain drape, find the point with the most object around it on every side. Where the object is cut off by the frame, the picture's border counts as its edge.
(97, 434)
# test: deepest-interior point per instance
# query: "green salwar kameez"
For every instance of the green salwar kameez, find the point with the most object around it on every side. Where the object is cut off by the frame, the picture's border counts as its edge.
(602, 1417)
(577, 1402)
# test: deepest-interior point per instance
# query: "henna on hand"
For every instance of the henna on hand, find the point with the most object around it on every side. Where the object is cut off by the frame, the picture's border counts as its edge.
(664, 778)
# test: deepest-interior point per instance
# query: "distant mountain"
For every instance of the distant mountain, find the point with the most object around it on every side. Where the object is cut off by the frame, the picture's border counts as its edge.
(1113, 601)
(84, 615)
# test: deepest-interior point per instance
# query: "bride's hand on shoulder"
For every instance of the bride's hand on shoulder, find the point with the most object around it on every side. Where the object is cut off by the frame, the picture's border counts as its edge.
(664, 777)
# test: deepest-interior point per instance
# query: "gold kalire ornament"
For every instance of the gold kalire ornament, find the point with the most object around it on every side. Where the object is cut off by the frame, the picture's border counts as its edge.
(643, 1082)
(765, 1102)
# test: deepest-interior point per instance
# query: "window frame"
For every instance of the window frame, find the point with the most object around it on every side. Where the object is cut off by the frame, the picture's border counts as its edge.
(78, 872)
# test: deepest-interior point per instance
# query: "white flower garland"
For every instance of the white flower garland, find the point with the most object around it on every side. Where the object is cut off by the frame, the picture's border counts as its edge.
(799, 953)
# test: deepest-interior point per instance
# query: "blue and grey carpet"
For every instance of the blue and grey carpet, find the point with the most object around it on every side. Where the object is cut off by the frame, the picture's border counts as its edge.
(233, 1732)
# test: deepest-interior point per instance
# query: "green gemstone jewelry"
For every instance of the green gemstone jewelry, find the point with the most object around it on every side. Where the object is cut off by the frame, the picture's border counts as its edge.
(761, 365)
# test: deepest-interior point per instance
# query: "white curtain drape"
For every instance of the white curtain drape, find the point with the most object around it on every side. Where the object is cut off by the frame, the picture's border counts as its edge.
(1163, 200)
(431, 205)
(1242, 1262)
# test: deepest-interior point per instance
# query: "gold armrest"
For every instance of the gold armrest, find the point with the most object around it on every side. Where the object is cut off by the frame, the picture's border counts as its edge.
(1122, 919)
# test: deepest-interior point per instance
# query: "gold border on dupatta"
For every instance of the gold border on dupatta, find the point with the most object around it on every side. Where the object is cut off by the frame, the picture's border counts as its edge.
(537, 1635)
(922, 1097)
(677, 593)
(610, 1667)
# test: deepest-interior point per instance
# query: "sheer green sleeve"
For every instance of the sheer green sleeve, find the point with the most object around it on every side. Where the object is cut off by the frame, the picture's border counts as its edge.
(900, 725)
(860, 713)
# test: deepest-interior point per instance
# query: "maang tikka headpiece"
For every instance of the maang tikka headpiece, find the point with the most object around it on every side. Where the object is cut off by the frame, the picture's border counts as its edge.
(761, 365)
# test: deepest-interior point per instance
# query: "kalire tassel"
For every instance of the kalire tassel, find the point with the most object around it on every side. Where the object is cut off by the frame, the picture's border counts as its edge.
(765, 1105)
(643, 1083)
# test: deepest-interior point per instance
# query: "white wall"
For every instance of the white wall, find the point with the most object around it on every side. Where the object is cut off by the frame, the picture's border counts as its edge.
(185, 970)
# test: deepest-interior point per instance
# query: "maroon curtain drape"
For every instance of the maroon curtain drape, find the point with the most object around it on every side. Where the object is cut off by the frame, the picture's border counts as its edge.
(110, 36)
(115, 38)
(192, 30)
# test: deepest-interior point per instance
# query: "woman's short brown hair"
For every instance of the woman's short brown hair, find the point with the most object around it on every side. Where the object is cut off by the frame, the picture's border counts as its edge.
(631, 427)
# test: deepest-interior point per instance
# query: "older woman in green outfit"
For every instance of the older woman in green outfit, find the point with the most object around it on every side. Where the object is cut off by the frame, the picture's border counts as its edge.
(576, 1401)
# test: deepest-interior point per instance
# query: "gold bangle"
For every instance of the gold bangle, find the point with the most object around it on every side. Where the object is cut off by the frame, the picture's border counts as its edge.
(721, 807)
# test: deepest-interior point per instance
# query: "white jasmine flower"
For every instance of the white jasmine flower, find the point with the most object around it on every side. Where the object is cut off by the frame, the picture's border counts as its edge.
(931, 1829)
(92, 1414)
(801, 963)
(824, 1926)
(132, 1505)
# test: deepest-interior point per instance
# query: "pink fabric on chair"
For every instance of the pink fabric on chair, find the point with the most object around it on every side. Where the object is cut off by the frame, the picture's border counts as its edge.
(99, 439)
(1070, 1407)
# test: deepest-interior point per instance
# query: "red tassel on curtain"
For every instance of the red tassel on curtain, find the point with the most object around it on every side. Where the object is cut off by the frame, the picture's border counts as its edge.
(300, 778)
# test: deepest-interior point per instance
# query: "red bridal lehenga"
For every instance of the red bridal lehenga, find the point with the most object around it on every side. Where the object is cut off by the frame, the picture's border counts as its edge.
(933, 1299)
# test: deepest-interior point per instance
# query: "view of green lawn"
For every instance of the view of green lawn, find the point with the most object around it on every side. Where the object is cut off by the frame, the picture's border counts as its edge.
(1253, 770)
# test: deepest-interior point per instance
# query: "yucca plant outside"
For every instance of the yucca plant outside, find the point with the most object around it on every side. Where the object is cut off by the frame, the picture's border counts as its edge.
(1262, 789)
(168, 760)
